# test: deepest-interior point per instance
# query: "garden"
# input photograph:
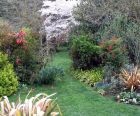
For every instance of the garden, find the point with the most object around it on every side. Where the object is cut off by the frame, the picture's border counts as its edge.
(92, 69)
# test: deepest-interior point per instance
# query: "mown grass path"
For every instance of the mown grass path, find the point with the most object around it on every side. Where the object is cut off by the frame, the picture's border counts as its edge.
(76, 99)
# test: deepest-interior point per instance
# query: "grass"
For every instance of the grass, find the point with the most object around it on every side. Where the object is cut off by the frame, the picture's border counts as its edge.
(76, 99)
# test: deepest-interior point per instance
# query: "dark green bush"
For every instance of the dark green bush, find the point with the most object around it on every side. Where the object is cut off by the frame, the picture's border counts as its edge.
(8, 78)
(49, 75)
(85, 53)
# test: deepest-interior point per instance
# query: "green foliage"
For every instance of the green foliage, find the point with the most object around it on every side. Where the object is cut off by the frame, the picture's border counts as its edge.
(41, 105)
(30, 62)
(49, 75)
(123, 27)
(77, 99)
(114, 52)
(101, 11)
(8, 78)
(129, 98)
(85, 53)
(89, 76)
(25, 55)
(131, 38)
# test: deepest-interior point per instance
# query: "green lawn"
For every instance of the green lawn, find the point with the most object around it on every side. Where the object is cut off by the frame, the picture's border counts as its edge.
(76, 99)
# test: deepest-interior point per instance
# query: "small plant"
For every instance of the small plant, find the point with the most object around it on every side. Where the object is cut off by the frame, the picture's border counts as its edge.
(8, 78)
(128, 98)
(131, 79)
(39, 105)
(90, 76)
(49, 75)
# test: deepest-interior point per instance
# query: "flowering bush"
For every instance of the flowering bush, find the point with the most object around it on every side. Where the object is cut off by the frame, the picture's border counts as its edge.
(25, 55)
(114, 52)
(22, 49)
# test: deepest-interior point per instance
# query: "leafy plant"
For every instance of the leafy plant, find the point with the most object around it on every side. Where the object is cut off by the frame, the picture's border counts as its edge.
(40, 105)
(28, 56)
(22, 49)
(49, 75)
(131, 79)
(99, 12)
(89, 76)
(85, 53)
(8, 78)
(129, 98)
(114, 52)
(6, 38)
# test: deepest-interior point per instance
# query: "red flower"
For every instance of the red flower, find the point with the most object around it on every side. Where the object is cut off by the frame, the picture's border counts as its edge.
(18, 61)
(21, 34)
(21, 41)
(109, 48)
(18, 41)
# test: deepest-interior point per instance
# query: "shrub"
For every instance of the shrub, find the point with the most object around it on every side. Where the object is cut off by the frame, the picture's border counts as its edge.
(40, 105)
(132, 41)
(114, 52)
(131, 79)
(89, 76)
(112, 18)
(27, 13)
(26, 57)
(23, 51)
(49, 75)
(5, 39)
(99, 12)
(85, 53)
(126, 29)
(8, 78)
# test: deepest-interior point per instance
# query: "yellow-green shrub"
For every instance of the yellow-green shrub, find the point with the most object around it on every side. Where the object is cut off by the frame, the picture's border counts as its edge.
(8, 78)
(89, 76)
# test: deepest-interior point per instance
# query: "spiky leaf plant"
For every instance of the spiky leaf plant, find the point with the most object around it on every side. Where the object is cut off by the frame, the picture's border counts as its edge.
(39, 105)
(131, 79)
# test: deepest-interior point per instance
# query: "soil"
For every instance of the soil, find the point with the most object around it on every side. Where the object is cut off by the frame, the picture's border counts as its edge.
(114, 91)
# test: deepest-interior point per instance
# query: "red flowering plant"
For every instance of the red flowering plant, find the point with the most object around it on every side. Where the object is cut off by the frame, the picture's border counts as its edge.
(21, 41)
(114, 52)
(22, 49)
(24, 54)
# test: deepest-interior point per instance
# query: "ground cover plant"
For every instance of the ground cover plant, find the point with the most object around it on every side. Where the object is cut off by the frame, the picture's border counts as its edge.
(89, 77)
